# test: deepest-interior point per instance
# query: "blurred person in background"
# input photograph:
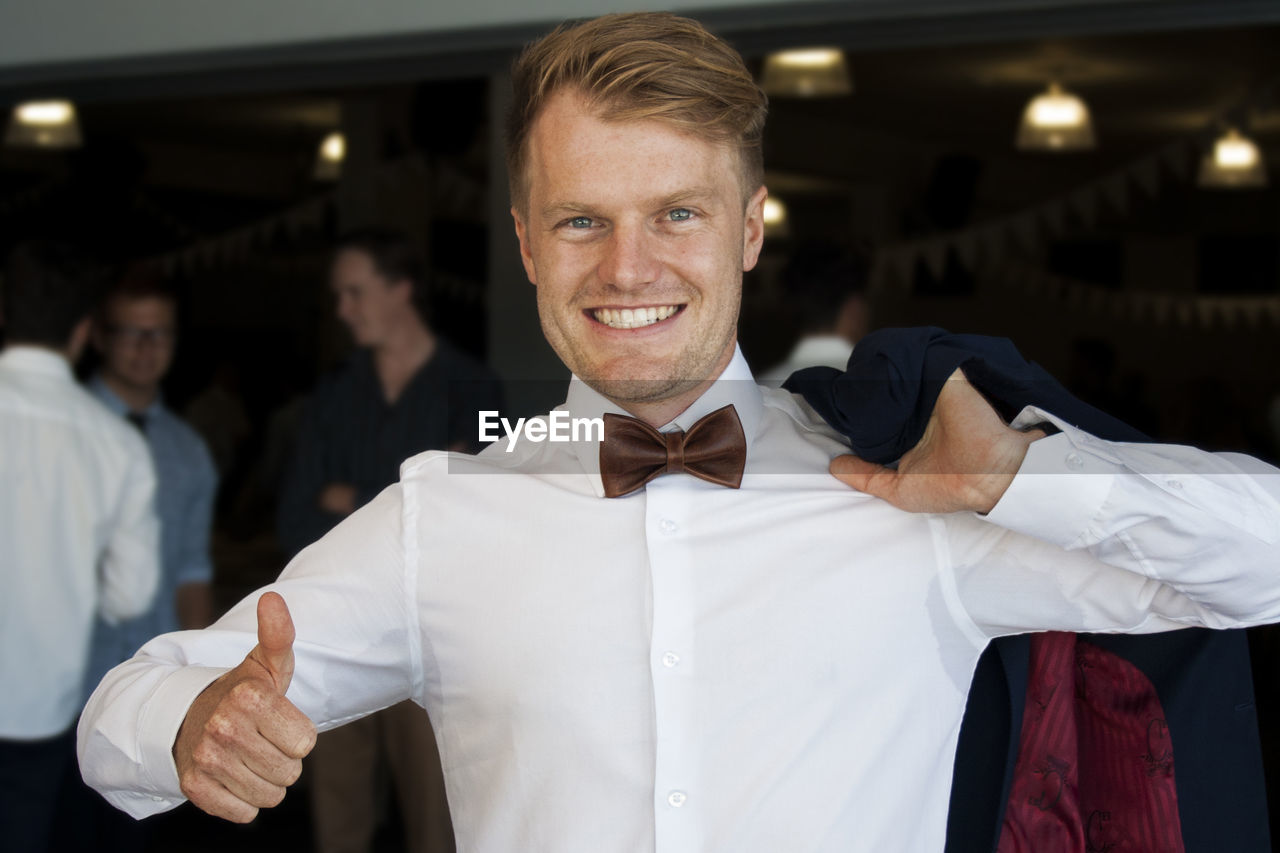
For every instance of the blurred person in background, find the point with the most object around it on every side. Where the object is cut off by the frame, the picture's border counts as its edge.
(78, 532)
(404, 390)
(135, 333)
(824, 286)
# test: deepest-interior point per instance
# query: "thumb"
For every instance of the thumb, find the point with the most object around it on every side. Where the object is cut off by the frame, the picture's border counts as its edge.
(860, 474)
(275, 640)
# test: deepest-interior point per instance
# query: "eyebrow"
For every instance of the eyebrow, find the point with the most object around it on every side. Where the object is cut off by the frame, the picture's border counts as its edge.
(560, 208)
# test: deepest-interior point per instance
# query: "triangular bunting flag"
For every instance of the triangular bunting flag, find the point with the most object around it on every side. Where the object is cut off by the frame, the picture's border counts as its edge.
(1161, 307)
(934, 254)
(1146, 174)
(1027, 231)
(1084, 203)
(1178, 157)
(1116, 190)
(1054, 215)
(968, 248)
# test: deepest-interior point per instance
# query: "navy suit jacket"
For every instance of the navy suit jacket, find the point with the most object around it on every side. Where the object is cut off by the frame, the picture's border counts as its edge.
(882, 403)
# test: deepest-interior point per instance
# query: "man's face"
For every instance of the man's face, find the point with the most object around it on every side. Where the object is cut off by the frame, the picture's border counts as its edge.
(636, 236)
(136, 340)
(368, 304)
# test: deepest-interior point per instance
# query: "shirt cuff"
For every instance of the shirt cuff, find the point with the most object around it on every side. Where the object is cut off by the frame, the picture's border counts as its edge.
(158, 725)
(1060, 488)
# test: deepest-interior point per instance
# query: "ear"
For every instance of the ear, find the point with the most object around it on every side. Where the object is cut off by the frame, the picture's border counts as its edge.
(526, 256)
(79, 337)
(753, 229)
(98, 335)
(404, 288)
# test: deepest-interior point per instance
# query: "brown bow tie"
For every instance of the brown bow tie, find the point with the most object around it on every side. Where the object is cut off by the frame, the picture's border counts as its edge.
(633, 453)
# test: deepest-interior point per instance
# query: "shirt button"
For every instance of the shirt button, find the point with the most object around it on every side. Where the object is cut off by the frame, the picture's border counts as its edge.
(676, 799)
(1174, 484)
(668, 526)
(1074, 461)
(670, 659)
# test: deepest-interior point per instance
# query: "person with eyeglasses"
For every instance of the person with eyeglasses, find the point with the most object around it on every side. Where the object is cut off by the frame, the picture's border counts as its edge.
(134, 334)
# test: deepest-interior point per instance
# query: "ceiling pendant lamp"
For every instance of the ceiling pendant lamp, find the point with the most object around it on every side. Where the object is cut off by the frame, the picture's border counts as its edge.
(813, 72)
(1055, 120)
(1234, 163)
(333, 150)
(775, 218)
(43, 124)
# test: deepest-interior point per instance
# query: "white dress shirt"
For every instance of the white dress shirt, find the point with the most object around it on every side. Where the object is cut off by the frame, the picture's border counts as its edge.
(781, 667)
(78, 536)
(809, 351)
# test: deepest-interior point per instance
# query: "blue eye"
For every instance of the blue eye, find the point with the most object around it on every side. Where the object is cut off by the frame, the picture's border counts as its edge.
(580, 222)
(680, 214)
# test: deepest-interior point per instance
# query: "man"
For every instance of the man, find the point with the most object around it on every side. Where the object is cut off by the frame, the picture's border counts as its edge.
(77, 530)
(134, 333)
(825, 290)
(778, 666)
(404, 391)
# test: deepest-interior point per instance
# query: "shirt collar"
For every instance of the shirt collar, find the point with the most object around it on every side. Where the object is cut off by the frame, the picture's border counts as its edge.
(830, 350)
(34, 359)
(113, 402)
(735, 386)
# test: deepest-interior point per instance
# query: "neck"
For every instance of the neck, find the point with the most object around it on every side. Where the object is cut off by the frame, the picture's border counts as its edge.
(659, 413)
(408, 347)
(136, 398)
(398, 359)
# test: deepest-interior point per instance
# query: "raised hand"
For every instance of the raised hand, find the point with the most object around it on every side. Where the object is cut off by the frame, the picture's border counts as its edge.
(965, 460)
(242, 743)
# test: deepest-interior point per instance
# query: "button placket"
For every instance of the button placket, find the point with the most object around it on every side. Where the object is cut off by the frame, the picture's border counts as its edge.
(669, 509)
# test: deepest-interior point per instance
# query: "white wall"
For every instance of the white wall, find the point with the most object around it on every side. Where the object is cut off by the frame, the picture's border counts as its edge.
(52, 31)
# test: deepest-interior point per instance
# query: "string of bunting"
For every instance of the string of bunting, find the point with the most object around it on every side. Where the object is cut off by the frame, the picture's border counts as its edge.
(991, 242)
(1029, 230)
(27, 198)
(1158, 308)
(454, 195)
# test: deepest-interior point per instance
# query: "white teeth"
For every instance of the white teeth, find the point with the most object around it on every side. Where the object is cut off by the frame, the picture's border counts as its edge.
(633, 318)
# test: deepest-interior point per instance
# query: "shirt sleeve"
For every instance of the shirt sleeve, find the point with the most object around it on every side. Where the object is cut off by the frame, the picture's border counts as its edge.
(194, 565)
(353, 604)
(1106, 536)
(129, 569)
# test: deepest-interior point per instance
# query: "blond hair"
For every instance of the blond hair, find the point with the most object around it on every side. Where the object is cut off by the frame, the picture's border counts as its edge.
(647, 65)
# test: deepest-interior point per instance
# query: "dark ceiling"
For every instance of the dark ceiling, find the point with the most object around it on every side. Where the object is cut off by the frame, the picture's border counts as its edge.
(217, 158)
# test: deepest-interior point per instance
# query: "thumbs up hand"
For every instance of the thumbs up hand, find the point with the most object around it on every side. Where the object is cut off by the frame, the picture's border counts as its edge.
(242, 743)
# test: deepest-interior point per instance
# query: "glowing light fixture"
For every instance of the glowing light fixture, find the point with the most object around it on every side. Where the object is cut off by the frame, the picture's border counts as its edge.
(775, 218)
(813, 72)
(1234, 163)
(333, 150)
(43, 124)
(1056, 120)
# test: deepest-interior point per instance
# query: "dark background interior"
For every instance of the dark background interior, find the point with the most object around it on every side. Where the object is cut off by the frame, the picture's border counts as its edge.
(210, 176)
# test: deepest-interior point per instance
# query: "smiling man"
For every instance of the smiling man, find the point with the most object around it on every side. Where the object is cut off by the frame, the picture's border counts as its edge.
(636, 239)
(617, 660)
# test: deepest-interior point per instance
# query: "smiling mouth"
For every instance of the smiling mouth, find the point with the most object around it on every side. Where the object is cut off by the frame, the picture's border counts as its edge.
(633, 318)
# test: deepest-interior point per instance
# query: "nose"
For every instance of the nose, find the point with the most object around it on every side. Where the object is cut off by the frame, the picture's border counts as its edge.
(630, 258)
(345, 308)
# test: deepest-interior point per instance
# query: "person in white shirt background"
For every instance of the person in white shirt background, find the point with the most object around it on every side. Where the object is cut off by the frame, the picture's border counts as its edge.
(824, 289)
(777, 666)
(78, 532)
